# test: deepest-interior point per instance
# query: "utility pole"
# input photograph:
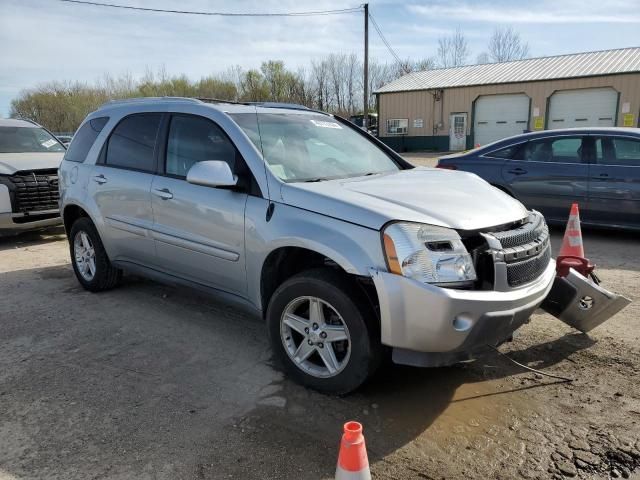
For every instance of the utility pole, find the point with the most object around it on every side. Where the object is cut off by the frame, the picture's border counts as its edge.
(365, 119)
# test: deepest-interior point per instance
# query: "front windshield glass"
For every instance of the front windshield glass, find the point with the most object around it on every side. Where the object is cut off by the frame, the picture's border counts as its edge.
(27, 140)
(312, 147)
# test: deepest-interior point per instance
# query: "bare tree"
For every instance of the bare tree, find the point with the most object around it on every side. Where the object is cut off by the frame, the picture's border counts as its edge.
(453, 51)
(427, 63)
(483, 58)
(505, 44)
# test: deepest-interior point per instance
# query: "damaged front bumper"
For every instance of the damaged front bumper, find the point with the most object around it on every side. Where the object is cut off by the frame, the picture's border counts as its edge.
(581, 303)
(429, 326)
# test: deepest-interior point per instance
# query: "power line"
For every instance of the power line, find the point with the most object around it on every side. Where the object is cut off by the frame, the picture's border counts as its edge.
(388, 45)
(220, 14)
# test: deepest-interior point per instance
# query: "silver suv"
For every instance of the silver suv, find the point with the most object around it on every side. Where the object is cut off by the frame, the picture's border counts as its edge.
(345, 249)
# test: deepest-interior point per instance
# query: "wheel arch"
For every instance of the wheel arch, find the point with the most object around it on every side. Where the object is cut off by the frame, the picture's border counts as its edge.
(284, 262)
(70, 214)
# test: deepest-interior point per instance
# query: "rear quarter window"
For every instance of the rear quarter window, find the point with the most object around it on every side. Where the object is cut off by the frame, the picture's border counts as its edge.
(84, 139)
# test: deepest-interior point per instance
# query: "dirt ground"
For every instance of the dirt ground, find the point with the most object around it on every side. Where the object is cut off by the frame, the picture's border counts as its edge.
(155, 382)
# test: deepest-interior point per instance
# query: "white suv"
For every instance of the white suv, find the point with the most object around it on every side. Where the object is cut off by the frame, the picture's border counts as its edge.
(29, 160)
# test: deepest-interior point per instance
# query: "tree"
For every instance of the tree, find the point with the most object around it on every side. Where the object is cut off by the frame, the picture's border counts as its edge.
(453, 51)
(505, 45)
(333, 83)
(482, 58)
(253, 87)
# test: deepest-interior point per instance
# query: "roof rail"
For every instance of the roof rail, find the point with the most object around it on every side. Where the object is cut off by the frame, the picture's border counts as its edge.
(33, 122)
(291, 106)
(220, 100)
(125, 101)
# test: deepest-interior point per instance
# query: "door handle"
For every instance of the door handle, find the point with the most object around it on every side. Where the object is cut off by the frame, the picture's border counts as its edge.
(604, 175)
(100, 179)
(518, 171)
(164, 194)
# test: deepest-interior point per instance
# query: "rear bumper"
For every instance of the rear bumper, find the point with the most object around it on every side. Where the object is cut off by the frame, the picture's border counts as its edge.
(14, 222)
(429, 326)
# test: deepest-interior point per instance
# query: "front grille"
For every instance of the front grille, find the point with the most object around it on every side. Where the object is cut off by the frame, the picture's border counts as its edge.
(532, 229)
(525, 250)
(526, 271)
(35, 191)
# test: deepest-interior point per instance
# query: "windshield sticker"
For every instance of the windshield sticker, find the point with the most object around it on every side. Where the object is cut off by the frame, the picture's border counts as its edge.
(49, 143)
(323, 124)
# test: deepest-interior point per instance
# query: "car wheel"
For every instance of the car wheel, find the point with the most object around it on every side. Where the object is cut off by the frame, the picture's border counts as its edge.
(323, 331)
(89, 258)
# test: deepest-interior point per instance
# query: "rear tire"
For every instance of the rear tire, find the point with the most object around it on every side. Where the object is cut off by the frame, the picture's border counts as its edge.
(335, 354)
(89, 258)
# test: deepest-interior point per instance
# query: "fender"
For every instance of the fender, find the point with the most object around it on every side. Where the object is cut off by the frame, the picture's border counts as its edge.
(354, 248)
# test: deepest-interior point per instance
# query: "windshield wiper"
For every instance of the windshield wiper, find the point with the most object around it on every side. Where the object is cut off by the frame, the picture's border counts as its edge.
(313, 180)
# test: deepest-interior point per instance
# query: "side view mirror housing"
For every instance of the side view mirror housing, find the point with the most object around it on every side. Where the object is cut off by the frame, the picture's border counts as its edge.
(212, 173)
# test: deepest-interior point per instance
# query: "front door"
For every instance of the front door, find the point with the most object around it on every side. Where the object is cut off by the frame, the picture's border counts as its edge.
(457, 131)
(549, 175)
(198, 230)
(120, 186)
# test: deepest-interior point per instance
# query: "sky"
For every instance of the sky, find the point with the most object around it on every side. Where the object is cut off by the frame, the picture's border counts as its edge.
(47, 40)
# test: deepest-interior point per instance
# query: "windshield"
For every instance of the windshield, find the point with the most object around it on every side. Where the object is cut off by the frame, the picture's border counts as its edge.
(27, 140)
(312, 147)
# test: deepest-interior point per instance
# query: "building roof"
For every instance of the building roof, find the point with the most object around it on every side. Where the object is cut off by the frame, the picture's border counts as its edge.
(588, 64)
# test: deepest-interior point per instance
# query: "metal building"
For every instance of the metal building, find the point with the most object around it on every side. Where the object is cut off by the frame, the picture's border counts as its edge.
(457, 108)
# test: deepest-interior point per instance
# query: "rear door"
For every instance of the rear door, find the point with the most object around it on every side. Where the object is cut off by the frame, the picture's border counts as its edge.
(121, 188)
(198, 230)
(548, 175)
(614, 182)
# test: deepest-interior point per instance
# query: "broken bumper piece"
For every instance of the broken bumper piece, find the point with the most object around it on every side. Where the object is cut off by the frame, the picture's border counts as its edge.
(580, 303)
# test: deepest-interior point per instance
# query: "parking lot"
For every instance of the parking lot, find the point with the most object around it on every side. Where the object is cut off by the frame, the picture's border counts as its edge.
(150, 381)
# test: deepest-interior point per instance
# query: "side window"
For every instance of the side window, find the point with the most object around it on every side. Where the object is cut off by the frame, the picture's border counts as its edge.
(195, 139)
(131, 144)
(509, 153)
(560, 150)
(84, 139)
(625, 152)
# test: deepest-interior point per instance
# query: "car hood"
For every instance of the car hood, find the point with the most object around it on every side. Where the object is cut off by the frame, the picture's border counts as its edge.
(11, 163)
(446, 198)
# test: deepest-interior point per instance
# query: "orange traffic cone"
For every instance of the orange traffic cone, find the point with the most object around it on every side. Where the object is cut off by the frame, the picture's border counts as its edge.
(571, 253)
(572, 241)
(353, 463)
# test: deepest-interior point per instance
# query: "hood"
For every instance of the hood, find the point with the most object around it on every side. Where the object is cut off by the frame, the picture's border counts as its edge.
(445, 198)
(11, 163)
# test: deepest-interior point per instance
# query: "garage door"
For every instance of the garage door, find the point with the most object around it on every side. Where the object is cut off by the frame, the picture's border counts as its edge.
(587, 107)
(499, 116)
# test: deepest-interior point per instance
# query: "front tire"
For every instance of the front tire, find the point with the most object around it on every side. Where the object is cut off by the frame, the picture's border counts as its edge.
(89, 258)
(322, 331)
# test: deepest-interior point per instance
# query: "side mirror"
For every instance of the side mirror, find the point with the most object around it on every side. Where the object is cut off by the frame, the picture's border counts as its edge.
(212, 173)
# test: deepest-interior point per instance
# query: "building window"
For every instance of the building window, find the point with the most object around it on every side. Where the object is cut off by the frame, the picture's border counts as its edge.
(397, 126)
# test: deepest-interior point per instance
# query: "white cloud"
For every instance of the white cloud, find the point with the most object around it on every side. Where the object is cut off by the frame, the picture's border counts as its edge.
(542, 12)
(45, 40)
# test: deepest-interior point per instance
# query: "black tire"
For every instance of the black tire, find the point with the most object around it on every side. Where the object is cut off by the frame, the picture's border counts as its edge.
(349, 301)
(106, 275)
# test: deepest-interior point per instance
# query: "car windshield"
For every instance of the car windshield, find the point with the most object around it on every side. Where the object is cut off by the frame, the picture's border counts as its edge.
(312, 147)
(27, 140)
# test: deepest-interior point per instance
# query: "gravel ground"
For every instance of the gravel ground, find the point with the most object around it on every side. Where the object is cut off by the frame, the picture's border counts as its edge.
(149, 381)
(424, 159)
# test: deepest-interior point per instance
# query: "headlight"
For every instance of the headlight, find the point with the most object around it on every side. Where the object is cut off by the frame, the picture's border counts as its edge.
(428, 254)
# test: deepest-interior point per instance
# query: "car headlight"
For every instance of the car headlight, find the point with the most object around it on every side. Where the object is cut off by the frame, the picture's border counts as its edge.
(427, 253)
